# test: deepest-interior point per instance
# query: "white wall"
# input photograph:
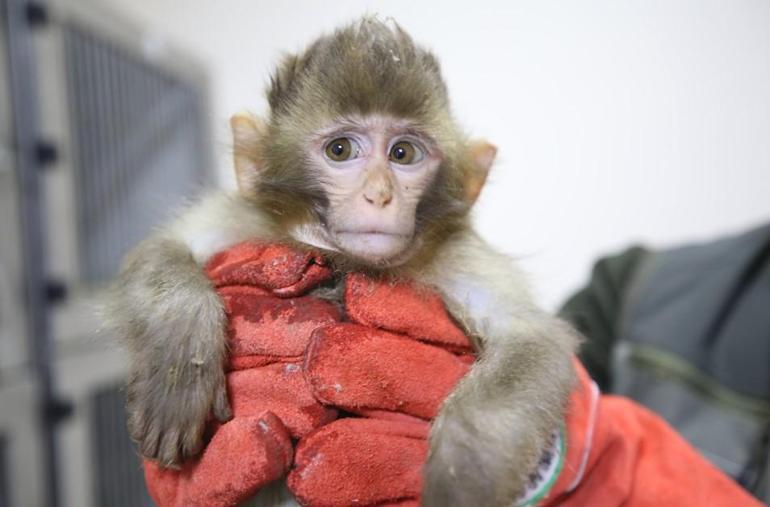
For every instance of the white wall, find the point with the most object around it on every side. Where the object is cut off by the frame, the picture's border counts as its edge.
(617, 121)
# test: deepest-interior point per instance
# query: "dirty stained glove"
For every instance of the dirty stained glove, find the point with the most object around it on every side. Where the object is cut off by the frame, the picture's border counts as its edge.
(270, 322)
(394, 365)
(398, 363)
(244, 455)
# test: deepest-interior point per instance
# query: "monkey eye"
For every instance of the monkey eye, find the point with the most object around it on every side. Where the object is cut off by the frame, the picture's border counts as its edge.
(405, 153)
(342, 149)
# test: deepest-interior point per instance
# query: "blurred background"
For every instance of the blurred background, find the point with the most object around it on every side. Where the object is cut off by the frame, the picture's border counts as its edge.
(616, 122)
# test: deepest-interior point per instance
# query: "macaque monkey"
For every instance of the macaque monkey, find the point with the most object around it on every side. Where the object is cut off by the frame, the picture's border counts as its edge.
(361, 160)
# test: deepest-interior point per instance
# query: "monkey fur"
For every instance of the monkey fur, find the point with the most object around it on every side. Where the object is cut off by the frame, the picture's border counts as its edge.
(494, 426)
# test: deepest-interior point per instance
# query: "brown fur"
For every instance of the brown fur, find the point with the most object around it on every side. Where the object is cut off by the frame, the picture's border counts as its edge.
(493, 427)
(364, 68)
(174, 323)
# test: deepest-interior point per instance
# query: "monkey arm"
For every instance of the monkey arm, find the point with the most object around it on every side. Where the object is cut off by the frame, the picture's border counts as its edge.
(494, 426)
(170, 320)
(166, 313)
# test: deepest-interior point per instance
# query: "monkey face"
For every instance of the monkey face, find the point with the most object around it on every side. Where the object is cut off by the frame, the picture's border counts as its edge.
(359, 155)
(374, 172)
(377, 189)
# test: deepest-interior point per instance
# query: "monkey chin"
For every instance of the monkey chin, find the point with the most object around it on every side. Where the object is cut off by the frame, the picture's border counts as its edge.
(375, 248)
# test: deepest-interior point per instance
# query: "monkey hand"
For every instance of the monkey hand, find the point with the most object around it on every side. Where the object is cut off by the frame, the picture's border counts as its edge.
(394, 365)
(510, 417)
(171, 321)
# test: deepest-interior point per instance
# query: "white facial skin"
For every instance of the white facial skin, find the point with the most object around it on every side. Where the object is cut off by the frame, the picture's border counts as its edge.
(374, 171)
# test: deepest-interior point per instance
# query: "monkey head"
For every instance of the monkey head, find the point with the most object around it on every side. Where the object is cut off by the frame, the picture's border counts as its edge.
(360, 155)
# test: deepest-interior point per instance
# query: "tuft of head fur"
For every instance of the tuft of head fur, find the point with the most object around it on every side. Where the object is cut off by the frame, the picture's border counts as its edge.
(367, 67)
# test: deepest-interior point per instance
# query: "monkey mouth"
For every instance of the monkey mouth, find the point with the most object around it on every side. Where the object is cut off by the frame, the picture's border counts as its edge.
(372, 236)
(370, 232)
(372, 244)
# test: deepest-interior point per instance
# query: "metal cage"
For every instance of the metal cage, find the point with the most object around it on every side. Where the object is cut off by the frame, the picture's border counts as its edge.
(100, 140)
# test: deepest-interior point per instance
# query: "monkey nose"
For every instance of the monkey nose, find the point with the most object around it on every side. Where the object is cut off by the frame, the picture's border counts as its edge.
(379, 198)
(378, 187)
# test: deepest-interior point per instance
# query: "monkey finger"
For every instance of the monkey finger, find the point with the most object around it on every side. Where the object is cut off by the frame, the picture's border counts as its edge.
(149, 442)
(360, 369)
(168, 439)
(170, 445)
(374, 461)
(167, 415)
(243, 456)
(403, 307)
(281, 389)
(221, 409)
(277, 268)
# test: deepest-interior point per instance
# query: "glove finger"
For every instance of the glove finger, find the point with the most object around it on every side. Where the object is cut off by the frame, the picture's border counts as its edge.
(359, 368)
(263, 329)
(386, 415)
(282, 389)
(369, 460)
(244, 455)
(405, 308)
(277, 268)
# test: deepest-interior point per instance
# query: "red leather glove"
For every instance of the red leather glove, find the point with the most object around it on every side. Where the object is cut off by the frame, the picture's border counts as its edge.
(609, 452)
(395, 365)
(270, 323)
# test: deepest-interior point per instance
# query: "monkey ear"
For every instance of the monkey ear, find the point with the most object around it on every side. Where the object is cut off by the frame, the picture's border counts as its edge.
(247, 131)
(482, 155)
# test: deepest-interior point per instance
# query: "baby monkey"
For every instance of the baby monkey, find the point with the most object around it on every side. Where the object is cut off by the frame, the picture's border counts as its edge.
(360, 159)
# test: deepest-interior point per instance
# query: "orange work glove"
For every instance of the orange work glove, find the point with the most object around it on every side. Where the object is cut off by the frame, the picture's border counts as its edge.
(270, 323)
